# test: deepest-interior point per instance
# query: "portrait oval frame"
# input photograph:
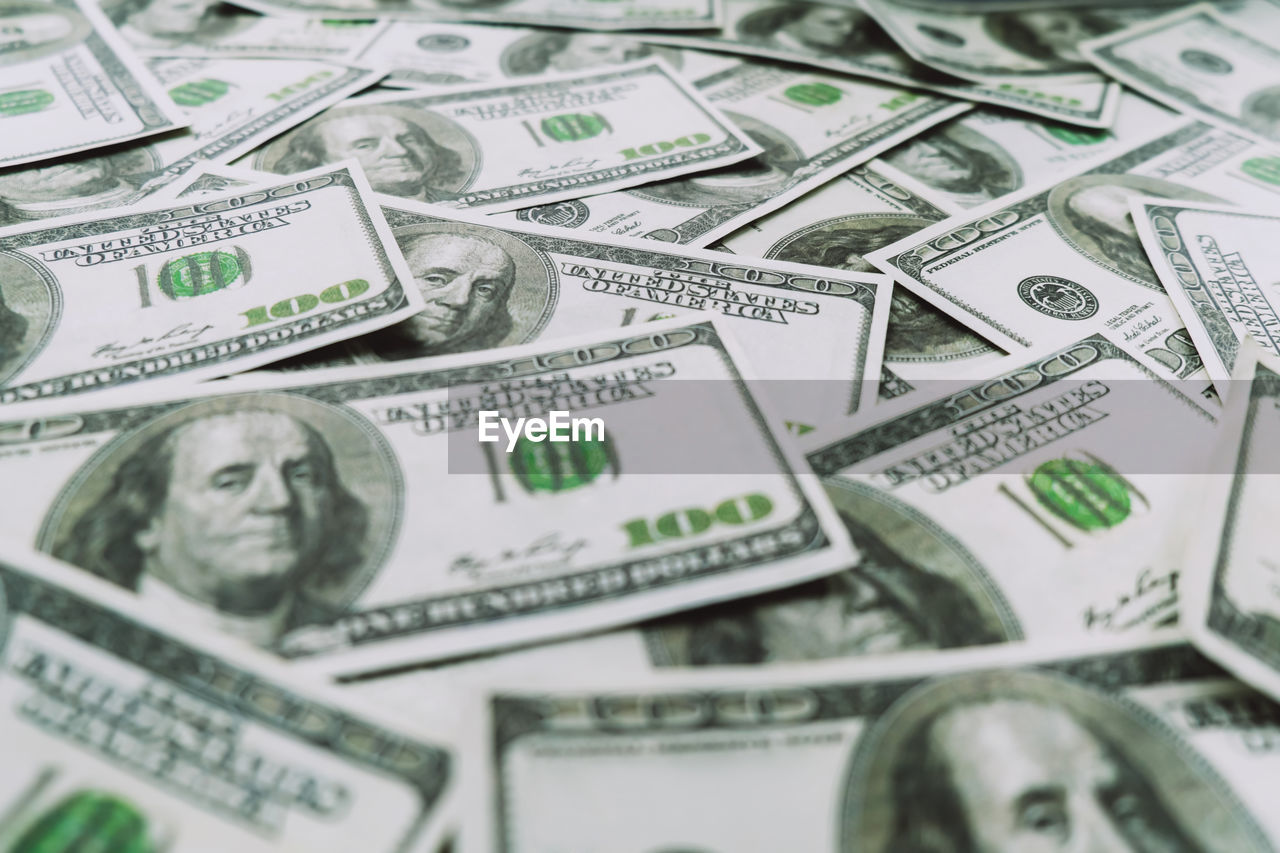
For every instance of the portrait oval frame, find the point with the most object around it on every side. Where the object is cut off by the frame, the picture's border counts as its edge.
(1001, 27)
(1060, 196)
(366, 465)
(78, 29)
(867, 811)
(1269, 125)
(900, 528)
(799, 238)
(687, 192)
(223, 23)
(833, 227)
(529, 312)
(31, 291)
(1008, 179)
(443, 131)
(761, 27)
(133, 167)
(527, 56)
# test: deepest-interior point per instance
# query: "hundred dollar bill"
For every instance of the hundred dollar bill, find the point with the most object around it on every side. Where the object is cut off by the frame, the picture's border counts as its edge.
(532, 142)
(1036, 505)
(988, 154)
(317, 514)
(1062, 259)
(196, 290)
(836, 226)
(814, 335)
(125, 730)
(1026, 44)
(811, 126)
(234, 105)
(1107, 747)
(1201, 63)
(1220, 268)
(1232, 607)
(1066, 461)
(571, 14)
(209, 28)
(841, 37)
(70, 83)
(441, 56)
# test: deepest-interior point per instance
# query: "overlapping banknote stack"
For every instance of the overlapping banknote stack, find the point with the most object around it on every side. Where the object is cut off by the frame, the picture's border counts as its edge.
(639, 426)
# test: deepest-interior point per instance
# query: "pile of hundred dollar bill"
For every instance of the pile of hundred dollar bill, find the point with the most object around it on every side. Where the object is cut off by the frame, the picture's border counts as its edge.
(639, 426)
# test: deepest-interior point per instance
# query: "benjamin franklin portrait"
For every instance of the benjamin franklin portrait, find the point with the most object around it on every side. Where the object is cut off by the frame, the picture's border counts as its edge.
(960, 162)
(1009, 760)
(915, 588)
(1261, 113)
(254, 514)
(30, 30)
(174, 23)
(752, 181)
(75, 185)
(918, 332)
(1050, 36)
(405, 152)
(27, 312)
(1092, 213)
(13, 334)
(483, 288)
(816, 29)
(552, 51)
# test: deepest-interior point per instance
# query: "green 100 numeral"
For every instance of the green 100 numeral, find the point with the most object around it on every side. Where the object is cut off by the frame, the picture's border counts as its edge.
(304, 302)
(690, 522)
(197, 274)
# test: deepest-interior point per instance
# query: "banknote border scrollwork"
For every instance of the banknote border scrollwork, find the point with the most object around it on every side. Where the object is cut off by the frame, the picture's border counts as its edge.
(234, 688)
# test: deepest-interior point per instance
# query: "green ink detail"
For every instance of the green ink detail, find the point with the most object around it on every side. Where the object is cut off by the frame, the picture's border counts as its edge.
(696, 520)
(730, 511)
(24, 101)
(1088, 495)
(797, 428)
(814, 94)
(199, 92)
(899, 101)
(573, 127)
(560, 466)
(638, 533)
(1263, 169)
(87, 821)
(202, 272)
(341, 24)
(1076, 135)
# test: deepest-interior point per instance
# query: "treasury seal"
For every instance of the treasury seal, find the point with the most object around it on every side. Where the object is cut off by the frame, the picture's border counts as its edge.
(1058, 297)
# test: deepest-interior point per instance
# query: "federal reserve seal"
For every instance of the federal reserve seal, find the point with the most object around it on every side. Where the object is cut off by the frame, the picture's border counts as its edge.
(562, 214)
(443, 43)
(1058, 297)
(1202, 60)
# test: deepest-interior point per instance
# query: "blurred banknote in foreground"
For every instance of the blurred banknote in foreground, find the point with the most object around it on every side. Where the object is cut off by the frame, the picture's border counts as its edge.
(70, 83)
(1233, 599)
(124, 731)
(1116, 747)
